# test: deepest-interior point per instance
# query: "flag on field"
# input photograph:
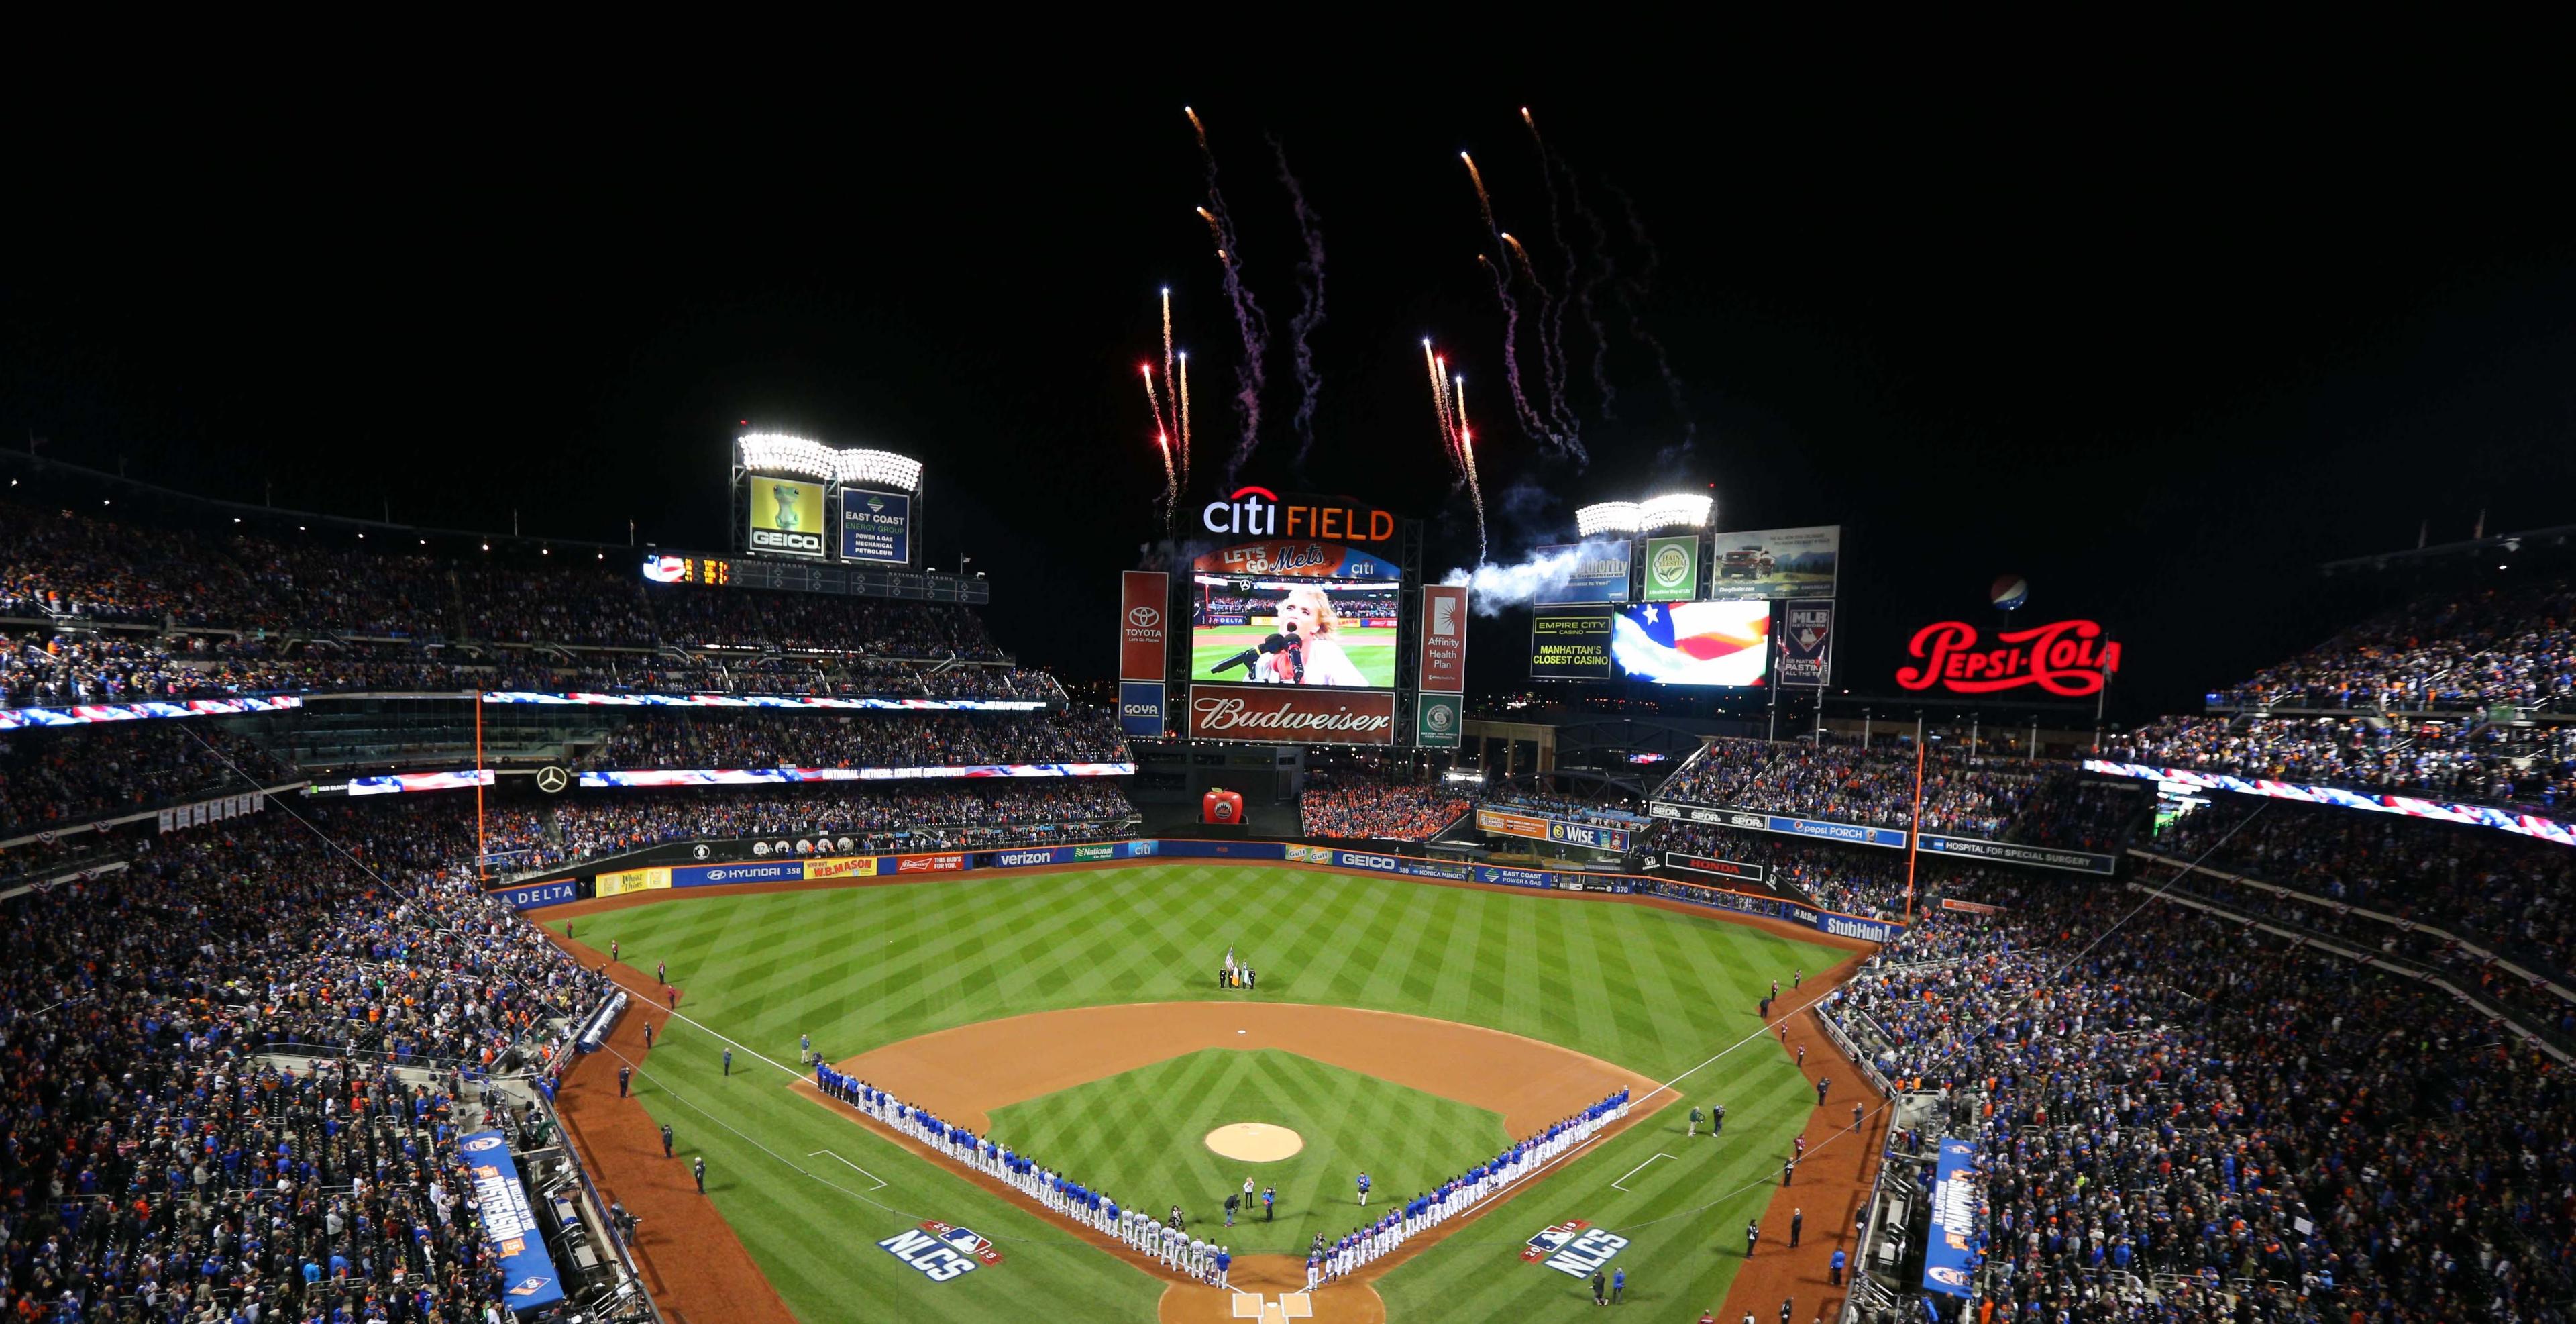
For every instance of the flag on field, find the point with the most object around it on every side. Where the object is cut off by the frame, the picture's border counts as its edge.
(1229, 958)
(1693, 643)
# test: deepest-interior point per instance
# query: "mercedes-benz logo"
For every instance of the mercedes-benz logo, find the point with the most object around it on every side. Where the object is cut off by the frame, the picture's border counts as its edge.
(552, 780)
(1144, 618)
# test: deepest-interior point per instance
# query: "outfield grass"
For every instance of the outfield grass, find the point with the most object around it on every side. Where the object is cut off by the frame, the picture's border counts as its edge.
(1649, 989)
(1407, 1141)
(1371, 649)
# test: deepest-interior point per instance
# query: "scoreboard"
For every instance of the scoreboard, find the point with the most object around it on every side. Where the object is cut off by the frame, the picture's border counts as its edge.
(811, 577)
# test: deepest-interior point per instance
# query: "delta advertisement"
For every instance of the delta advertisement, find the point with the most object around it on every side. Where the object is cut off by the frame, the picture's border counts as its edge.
(1776, 563)
(509, 1224)
(529, 896)
(19, 719)
(1597, 572)
(2485, 816)
(876, 526)
(1949, 1254)
(2014, 852)
(1570, 643)
(786, 516)
(821, 701)
(1752, 820)
(651, 778)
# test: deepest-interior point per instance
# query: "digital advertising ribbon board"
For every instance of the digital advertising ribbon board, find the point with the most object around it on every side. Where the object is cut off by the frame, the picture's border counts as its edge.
(528, 1278)
(1752, 820)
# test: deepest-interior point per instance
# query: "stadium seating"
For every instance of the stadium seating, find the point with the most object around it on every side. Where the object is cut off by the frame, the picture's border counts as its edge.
(836, 740)
(880, 817)
(2455, 652)
(1353, 805)
(179, 1174)
(1998, 799)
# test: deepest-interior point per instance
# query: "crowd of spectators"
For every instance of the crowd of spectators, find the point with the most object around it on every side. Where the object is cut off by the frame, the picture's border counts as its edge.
(202, 1121)
(1605, 808)
(889, 816)
(1994, 798)
(2463, 758)
(1387, 807)
(717, 738)
(2512, 893)
(1855, 880)
(2181, 1117)
(2444, 652)
(51, 778)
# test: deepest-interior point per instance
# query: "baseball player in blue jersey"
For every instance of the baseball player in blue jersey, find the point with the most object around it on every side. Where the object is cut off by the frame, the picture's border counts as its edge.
(1224, 1261)
(1363, 1190)
(1314, 1268)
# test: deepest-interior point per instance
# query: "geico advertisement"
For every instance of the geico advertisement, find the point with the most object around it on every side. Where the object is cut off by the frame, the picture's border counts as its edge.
(786, 516)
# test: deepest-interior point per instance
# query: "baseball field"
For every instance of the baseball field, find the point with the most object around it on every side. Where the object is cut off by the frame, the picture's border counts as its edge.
(1403, 1029)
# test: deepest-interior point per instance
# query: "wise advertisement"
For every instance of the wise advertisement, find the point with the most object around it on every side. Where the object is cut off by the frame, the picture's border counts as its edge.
(876, 526)
(786, 516)
(1776, 563)
(1570, 643)
(1672, 568)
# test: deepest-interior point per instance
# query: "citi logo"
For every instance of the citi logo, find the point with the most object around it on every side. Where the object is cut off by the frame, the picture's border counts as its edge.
(1144, 618)
(1253, 510)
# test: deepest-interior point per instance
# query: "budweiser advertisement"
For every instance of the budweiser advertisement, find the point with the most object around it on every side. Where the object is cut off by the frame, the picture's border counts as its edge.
(1291, 715)
(1144, 596)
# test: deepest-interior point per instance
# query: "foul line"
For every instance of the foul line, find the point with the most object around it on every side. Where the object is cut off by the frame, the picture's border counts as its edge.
(880, 1181)
(1634, 1171)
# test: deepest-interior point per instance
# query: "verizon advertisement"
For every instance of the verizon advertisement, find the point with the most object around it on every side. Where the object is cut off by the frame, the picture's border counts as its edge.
(1291, 716)
(1444, 639)
(1144, 597)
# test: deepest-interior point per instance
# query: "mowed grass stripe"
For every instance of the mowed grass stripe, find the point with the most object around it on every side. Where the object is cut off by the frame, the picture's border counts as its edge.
(1655, 991)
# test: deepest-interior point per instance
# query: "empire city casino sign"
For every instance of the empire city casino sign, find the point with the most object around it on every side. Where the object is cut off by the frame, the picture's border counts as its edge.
(2069, 658)
(1258, 512)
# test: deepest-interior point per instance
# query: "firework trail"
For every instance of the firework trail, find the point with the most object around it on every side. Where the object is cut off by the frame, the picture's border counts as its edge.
(1185, 420)
(1162, 442)
(1310, 312)
(1457, 442)
(1551, 324)
(1632, 291)
(1180, 478)
(1530, 420)
(1248, 317)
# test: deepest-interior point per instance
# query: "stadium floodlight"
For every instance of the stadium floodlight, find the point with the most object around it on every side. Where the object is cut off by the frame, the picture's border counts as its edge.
(1673, 509)
(776, 452)
(1607, 517)
(875, 468)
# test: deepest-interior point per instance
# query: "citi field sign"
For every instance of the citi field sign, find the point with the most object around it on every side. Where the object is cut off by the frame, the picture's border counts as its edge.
(2069, 658)
(1258, 512)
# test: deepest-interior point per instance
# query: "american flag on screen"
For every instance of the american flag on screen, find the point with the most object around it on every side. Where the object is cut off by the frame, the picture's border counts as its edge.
(1693, 643)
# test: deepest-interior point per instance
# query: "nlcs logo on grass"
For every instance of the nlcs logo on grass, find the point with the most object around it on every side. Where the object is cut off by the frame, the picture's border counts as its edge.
(1574, 1247)
(940, 1252)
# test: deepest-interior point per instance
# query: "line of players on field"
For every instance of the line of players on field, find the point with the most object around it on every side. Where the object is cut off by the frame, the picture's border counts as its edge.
(1170, 1241)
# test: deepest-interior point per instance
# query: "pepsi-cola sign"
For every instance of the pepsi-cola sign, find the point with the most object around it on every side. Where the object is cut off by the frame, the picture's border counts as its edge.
(2070, 658)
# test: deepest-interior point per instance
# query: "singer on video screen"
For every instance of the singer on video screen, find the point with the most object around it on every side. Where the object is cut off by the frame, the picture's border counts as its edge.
(1316, 656)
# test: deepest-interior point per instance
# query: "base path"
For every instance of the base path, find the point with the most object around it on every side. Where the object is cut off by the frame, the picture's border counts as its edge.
(1832, 1185)
(965, 1073)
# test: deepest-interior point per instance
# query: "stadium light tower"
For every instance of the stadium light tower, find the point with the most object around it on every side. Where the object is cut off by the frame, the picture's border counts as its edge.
(1606, 517)
(1673, 510)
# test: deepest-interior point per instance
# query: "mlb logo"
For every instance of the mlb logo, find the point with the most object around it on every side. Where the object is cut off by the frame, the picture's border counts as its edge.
(965, 1242)
(1550, 1240)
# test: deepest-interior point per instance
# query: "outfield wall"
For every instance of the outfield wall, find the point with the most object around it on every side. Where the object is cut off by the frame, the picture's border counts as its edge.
(619, 882)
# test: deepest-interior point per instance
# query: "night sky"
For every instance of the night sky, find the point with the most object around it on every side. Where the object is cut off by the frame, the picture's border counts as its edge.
(2159, 345)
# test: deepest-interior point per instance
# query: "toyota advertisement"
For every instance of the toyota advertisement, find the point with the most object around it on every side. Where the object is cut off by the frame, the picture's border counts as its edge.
(1143, 597)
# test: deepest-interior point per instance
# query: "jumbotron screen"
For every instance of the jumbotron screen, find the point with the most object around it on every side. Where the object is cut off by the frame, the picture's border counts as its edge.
(1693, 643)
(1343, 634)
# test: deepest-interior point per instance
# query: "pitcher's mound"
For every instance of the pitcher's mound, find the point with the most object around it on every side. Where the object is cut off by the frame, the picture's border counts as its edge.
(1254, 1142)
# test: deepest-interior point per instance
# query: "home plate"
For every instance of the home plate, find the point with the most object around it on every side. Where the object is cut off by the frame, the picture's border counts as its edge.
(1255, 1142)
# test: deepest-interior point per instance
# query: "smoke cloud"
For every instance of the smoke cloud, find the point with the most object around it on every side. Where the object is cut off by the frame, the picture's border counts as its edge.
(1493, 587)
